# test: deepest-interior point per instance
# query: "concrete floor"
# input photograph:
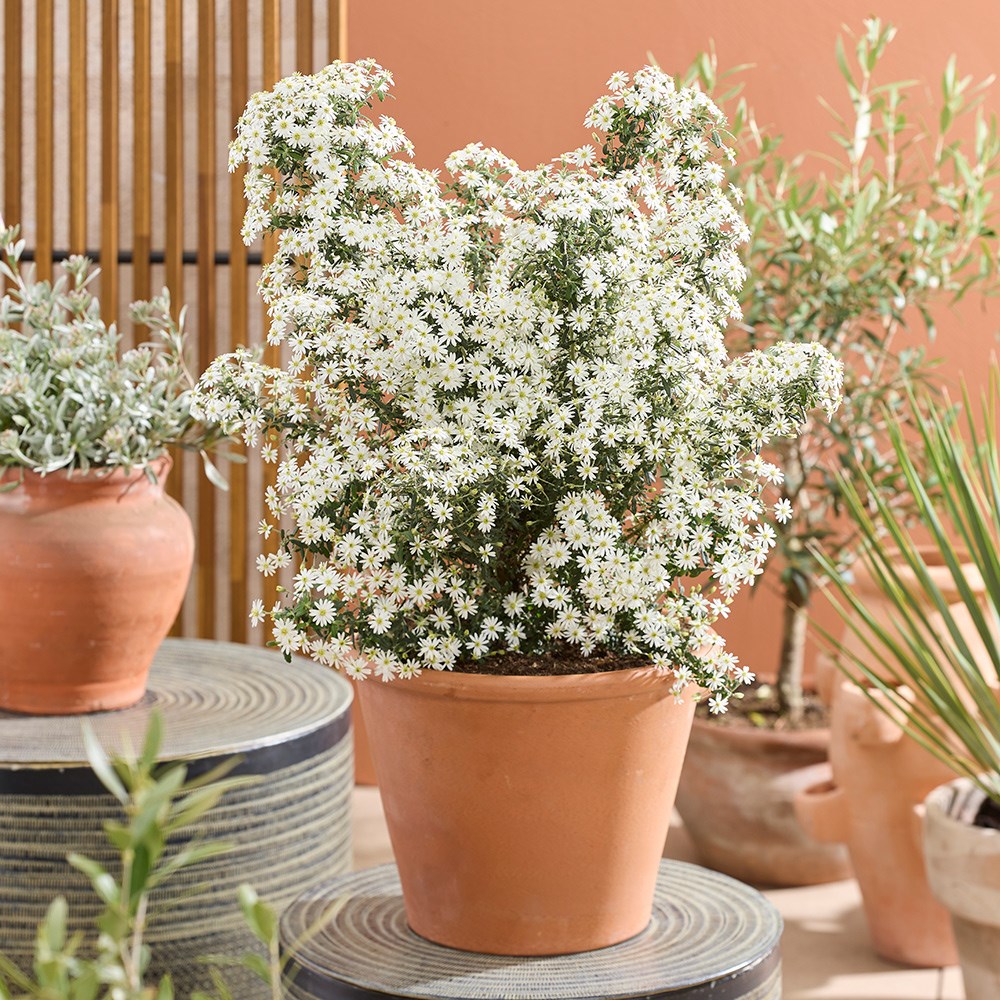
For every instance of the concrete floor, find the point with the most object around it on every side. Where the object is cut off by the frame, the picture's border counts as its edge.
(825, 950)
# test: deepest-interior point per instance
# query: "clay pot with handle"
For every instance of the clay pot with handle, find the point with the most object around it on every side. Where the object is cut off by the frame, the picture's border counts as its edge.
(736, 799)
(873, 803)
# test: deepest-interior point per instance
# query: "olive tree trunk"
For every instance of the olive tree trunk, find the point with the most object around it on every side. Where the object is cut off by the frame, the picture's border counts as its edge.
(793, 646)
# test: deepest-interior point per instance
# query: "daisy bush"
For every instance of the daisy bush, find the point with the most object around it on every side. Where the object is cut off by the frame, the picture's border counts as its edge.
(509, 421)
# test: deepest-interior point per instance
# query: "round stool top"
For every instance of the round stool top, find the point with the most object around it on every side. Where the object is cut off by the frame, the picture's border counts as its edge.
(216, 699)
(710, 936)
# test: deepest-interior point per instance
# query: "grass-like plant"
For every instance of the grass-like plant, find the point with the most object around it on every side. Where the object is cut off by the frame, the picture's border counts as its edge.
(940, 683)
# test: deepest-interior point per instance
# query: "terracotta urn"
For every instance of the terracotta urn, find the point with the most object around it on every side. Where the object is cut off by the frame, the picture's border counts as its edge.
(963, 865)
(527, 814)
(874, 805)
(736, 798)
(95, 566)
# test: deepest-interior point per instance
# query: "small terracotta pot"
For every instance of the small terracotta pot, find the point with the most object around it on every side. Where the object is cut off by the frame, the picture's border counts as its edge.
(735, 797)
(94, 571)
(963, 865)
(527, 814)
(873, 804)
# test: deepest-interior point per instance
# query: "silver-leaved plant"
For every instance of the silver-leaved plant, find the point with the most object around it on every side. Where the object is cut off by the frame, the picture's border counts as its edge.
(67, 399)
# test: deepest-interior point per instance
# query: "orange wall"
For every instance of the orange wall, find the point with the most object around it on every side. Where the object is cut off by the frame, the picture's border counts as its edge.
(520, 74)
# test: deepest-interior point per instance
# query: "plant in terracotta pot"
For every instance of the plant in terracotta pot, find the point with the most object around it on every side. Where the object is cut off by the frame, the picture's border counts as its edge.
(850, 252)
(926, 671)
(96, 557)
(520, 480)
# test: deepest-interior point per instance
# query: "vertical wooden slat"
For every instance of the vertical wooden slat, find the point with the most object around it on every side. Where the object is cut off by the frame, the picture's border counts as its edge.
(44, 148)
(109, 160)
(78, 125)
(205, 574)
(239, 534)
(271, 71)
(174, 165)
(12, 70)
(173, 115)
(337, 30)
(304, 36)
(142, 153)
(174, 151)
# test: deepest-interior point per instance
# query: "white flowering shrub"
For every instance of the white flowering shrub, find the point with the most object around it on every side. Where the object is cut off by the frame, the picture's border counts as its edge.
(67, 399)
(509, 421)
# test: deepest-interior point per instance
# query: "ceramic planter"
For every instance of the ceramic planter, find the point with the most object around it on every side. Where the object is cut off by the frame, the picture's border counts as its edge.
(874, 805)
(963, 865)
(527, 814)
(736, 799)
(94, 572)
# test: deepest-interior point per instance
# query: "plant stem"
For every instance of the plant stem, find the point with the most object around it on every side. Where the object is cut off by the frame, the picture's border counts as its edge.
(793, 642)
(275, 957)
(135, 958)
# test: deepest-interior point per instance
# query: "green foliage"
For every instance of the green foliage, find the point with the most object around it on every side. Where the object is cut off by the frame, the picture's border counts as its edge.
(263, 924)
(943, 681)
(848, 251)
(67, 400)
(159, 803)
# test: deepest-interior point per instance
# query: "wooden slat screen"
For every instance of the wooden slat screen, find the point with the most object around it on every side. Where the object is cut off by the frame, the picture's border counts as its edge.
(173, 147)
(207, 305)
(12, 133)
(78, 114)
(44, 139)
(239, 524)
(147, 93)
(109, 160)
(142, 152)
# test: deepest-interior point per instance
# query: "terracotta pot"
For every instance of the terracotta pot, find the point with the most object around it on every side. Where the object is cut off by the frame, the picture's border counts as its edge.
(874, 805)
(364, 766)
(735, 797)
(94, 572)
(827, 673)
(963, 865)
(527, 814)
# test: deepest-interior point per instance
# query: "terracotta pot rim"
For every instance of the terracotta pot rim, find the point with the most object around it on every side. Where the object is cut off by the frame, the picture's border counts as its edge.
(512, 687)
(856, 687)
(95, 478)
(72, 473)
(936, 567)
(818, 739)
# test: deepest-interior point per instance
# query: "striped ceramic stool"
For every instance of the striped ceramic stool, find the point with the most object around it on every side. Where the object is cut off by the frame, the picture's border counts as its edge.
(711, 938)
(290, 724)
